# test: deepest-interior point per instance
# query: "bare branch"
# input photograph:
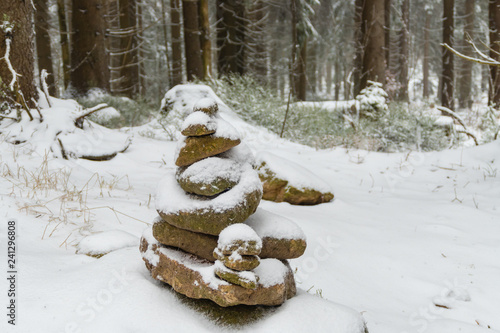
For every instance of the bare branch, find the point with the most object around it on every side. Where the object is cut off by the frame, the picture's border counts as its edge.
(477, 60)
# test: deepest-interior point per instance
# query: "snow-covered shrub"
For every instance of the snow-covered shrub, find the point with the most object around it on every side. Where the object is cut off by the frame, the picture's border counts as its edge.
(490, 124)
(129, 112)
(252, 101)
(373, 100)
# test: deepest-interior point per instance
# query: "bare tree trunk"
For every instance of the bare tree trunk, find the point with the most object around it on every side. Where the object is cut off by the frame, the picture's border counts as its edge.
(372, 27)
(387, 27)
(194, 65)
(300, 74)
(206, 44)
(312, 66)
(426, 60)
(405, 51)
(64, 40)
(43, 49)
(494, 24)
(89, 59)
(448, 69)
(129, 62)
(256, 53)
(465, 81)
(175, 31)
(16, 36)
(329, 77)
(231, 36)
(359, 40)
(338, 79)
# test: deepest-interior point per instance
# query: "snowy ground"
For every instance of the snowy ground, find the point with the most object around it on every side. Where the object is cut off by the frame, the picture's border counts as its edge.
(411, 241)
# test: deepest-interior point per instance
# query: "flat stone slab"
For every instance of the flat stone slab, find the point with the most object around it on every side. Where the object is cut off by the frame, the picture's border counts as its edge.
(194, 149)
(210, 176)
(284, 180)
(208, 215)
(198, 124)
(201, 245)
(281, 237)
(196, 278)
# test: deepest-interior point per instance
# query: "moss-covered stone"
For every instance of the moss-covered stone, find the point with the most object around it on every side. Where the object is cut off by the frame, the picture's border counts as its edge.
(204, 245)
(198, 148)
(207, 106)
(278, 190)
(210, 221)
(198, 244)
(198, 130)
(247, 280)
(237, 262)
(215, 186)
(242, 247)
(191, 283)
(282, 248)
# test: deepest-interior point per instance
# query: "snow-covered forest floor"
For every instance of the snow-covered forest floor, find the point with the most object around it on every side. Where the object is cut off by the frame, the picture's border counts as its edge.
(411, 241)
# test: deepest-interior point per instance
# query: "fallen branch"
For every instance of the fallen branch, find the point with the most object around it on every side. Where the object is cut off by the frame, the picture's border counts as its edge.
(88, 112)
(465, 131)
(477, 60)
(453, 115)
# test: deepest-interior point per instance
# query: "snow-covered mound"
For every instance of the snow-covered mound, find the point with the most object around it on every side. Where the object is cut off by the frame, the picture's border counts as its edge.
(102, 243)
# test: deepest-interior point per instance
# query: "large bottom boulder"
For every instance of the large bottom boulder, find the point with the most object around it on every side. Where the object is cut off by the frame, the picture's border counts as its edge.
(196, 278)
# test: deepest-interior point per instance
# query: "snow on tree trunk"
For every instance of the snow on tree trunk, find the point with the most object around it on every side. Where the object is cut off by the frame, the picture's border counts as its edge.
(16, 53)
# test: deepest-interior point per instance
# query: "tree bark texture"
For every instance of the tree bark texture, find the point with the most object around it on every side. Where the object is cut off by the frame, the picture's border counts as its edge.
(231, 37)
(494, 27)
(426, 59)
(89, 59)
(17, 33)
(43, 48)
(64, 40)
(448, 68)
(175, 32)
(387, 27)
(372, 28)
(194, 65)
(465, 80)
(206, 44)
(129, 62)
(404, 51)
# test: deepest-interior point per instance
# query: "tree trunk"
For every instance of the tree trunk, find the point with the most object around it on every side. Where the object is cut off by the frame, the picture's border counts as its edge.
(312, 66)
(405, 51)
(328, 78)
(494, 25)
(89, 59)
(43, 49)
(426, 59)
(206, 44)
(359, 46)
(194, 65)
(465, 81)
(231, 36)
(175, 31)
(387, 28)
(256, 40)
(300, 74)
(64, 41)
(338, 79)
(448, 70)
(372, 28)
(129, 62)
(16, 36)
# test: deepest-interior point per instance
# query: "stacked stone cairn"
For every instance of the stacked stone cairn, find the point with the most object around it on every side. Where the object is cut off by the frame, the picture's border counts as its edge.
(207, 242)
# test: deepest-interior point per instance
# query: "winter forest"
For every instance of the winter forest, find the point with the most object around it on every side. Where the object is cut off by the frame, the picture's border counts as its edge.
(250, 166)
